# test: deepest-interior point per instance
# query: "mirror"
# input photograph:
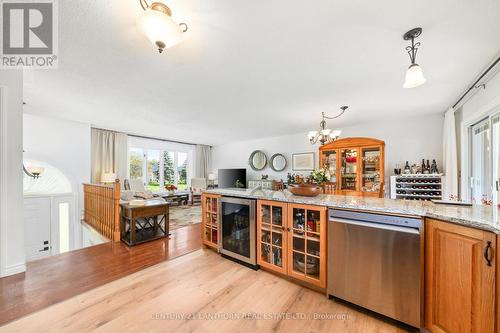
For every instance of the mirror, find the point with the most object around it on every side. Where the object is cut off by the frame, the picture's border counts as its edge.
(258, 160)
(278, 162)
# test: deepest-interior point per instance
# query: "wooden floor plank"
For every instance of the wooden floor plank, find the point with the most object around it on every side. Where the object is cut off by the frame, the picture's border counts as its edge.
(57, 278)
(164, 298)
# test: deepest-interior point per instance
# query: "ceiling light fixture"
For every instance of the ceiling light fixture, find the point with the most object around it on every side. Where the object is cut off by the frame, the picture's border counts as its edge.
(414, 75)
(326, 135)
(33, 171)
(157, 24)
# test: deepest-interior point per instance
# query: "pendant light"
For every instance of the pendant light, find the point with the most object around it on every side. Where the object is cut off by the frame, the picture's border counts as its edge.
(414, 75)
(157, 24)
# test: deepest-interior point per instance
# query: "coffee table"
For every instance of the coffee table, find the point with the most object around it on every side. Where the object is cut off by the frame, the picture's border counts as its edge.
(179, 197)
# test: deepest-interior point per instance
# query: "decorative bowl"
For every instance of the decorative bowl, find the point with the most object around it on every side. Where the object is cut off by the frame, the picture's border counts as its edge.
(306, 190)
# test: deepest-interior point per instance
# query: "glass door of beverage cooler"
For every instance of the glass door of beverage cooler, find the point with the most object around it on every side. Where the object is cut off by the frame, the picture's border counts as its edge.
(271, 227)
(349, 170)
(237, 229)
(307, 244)
(370, 168)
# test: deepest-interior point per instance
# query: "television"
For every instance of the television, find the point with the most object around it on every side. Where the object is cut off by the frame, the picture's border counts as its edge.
(229, 177)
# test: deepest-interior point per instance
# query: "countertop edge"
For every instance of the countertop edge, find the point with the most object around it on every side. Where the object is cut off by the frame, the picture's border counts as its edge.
(420, 212)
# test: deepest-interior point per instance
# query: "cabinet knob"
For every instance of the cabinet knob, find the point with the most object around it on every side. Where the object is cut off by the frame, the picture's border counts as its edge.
(487, 253)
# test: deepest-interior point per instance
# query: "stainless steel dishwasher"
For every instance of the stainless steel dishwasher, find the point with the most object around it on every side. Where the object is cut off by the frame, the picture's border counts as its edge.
(374, 261)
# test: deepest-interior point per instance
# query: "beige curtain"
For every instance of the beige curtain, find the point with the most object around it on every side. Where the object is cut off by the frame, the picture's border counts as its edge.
(108, 154)
(203, 160)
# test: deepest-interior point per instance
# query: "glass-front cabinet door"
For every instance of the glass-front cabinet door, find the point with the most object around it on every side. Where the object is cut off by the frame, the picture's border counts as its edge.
(210, 217)
(329, 159)
(349, 169)
(307, 243)
(370, 169)
(271, 235)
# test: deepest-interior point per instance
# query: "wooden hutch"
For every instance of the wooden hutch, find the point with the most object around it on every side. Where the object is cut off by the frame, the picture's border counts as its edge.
(356, 166)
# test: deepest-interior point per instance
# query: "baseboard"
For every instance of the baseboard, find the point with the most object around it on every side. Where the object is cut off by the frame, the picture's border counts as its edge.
(14, 269)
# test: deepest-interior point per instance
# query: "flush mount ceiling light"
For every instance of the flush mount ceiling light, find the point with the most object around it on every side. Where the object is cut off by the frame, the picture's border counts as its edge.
(326, 135)
(414, 75)
(157, 24)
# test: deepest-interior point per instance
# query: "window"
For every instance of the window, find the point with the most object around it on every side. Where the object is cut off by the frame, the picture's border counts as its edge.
(160, 163)
(484, 160)
(136, 157)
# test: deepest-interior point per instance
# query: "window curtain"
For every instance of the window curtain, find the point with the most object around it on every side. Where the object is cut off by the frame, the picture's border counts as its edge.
(108, 154)
(203, 160)
(450, 163)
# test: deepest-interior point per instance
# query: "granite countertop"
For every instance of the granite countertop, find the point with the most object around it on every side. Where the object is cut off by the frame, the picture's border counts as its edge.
(477, 216)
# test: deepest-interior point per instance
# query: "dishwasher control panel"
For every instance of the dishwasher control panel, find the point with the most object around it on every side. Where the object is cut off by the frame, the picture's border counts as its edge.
(403, 221)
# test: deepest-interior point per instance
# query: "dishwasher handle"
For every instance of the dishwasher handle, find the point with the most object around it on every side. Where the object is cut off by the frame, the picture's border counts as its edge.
(377, 226)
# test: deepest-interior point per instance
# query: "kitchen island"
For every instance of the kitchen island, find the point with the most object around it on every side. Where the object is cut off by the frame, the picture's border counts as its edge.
(457, 249)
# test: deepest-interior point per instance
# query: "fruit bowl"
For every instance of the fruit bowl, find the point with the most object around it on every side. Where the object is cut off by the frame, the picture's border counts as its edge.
(306, 190)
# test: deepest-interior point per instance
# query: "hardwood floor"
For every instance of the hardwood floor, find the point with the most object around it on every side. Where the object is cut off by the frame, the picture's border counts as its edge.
(164, 297)
(54, 279)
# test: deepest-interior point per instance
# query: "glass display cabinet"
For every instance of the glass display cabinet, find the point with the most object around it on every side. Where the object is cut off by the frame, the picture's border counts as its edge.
(307, 243)
(359, 168)
(291, 240)
(210, 219)
(271, 235)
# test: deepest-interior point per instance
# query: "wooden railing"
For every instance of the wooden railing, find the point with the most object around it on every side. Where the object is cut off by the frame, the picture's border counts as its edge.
(101, 209)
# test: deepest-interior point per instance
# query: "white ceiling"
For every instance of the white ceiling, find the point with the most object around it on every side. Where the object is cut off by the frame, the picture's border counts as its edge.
(249, 69)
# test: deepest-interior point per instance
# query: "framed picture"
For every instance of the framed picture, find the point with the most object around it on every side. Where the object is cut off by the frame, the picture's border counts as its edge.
(303, 162)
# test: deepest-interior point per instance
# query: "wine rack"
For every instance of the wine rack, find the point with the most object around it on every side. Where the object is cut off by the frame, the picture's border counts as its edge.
(417, 187)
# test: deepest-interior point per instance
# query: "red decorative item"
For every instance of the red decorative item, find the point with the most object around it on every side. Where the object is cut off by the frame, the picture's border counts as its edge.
(170, 187)
(311, 226)
(350, 159)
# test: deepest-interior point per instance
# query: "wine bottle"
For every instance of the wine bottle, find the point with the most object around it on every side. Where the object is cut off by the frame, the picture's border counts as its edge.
(434, 168)
(423, 166)
(428, 167)
(407, 168)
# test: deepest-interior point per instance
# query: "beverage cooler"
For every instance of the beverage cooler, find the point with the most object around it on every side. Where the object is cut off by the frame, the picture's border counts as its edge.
(237, 238)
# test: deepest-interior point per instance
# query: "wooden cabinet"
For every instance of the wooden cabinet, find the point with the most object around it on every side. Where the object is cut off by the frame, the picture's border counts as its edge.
(356, 165)
(271, 235)
(292, 240)
(210, 219)
(459, 278)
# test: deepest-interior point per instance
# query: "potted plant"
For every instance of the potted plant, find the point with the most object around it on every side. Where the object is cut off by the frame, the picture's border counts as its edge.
(319, 176)
(171, 188)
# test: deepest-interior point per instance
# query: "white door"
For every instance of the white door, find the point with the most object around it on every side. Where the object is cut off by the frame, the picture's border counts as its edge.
(37, 227)
(481, 179)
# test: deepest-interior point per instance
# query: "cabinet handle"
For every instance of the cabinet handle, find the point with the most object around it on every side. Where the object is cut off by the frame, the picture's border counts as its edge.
(487, 253)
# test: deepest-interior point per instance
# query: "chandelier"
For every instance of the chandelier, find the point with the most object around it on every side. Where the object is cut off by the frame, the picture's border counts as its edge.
(326, 135)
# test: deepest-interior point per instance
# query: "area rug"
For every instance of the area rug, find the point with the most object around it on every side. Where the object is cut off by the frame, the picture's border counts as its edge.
(183, 216)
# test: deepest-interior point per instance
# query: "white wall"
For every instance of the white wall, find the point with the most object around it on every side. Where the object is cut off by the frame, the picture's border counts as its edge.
(12, 259)
(406, 139)
(64, 145)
